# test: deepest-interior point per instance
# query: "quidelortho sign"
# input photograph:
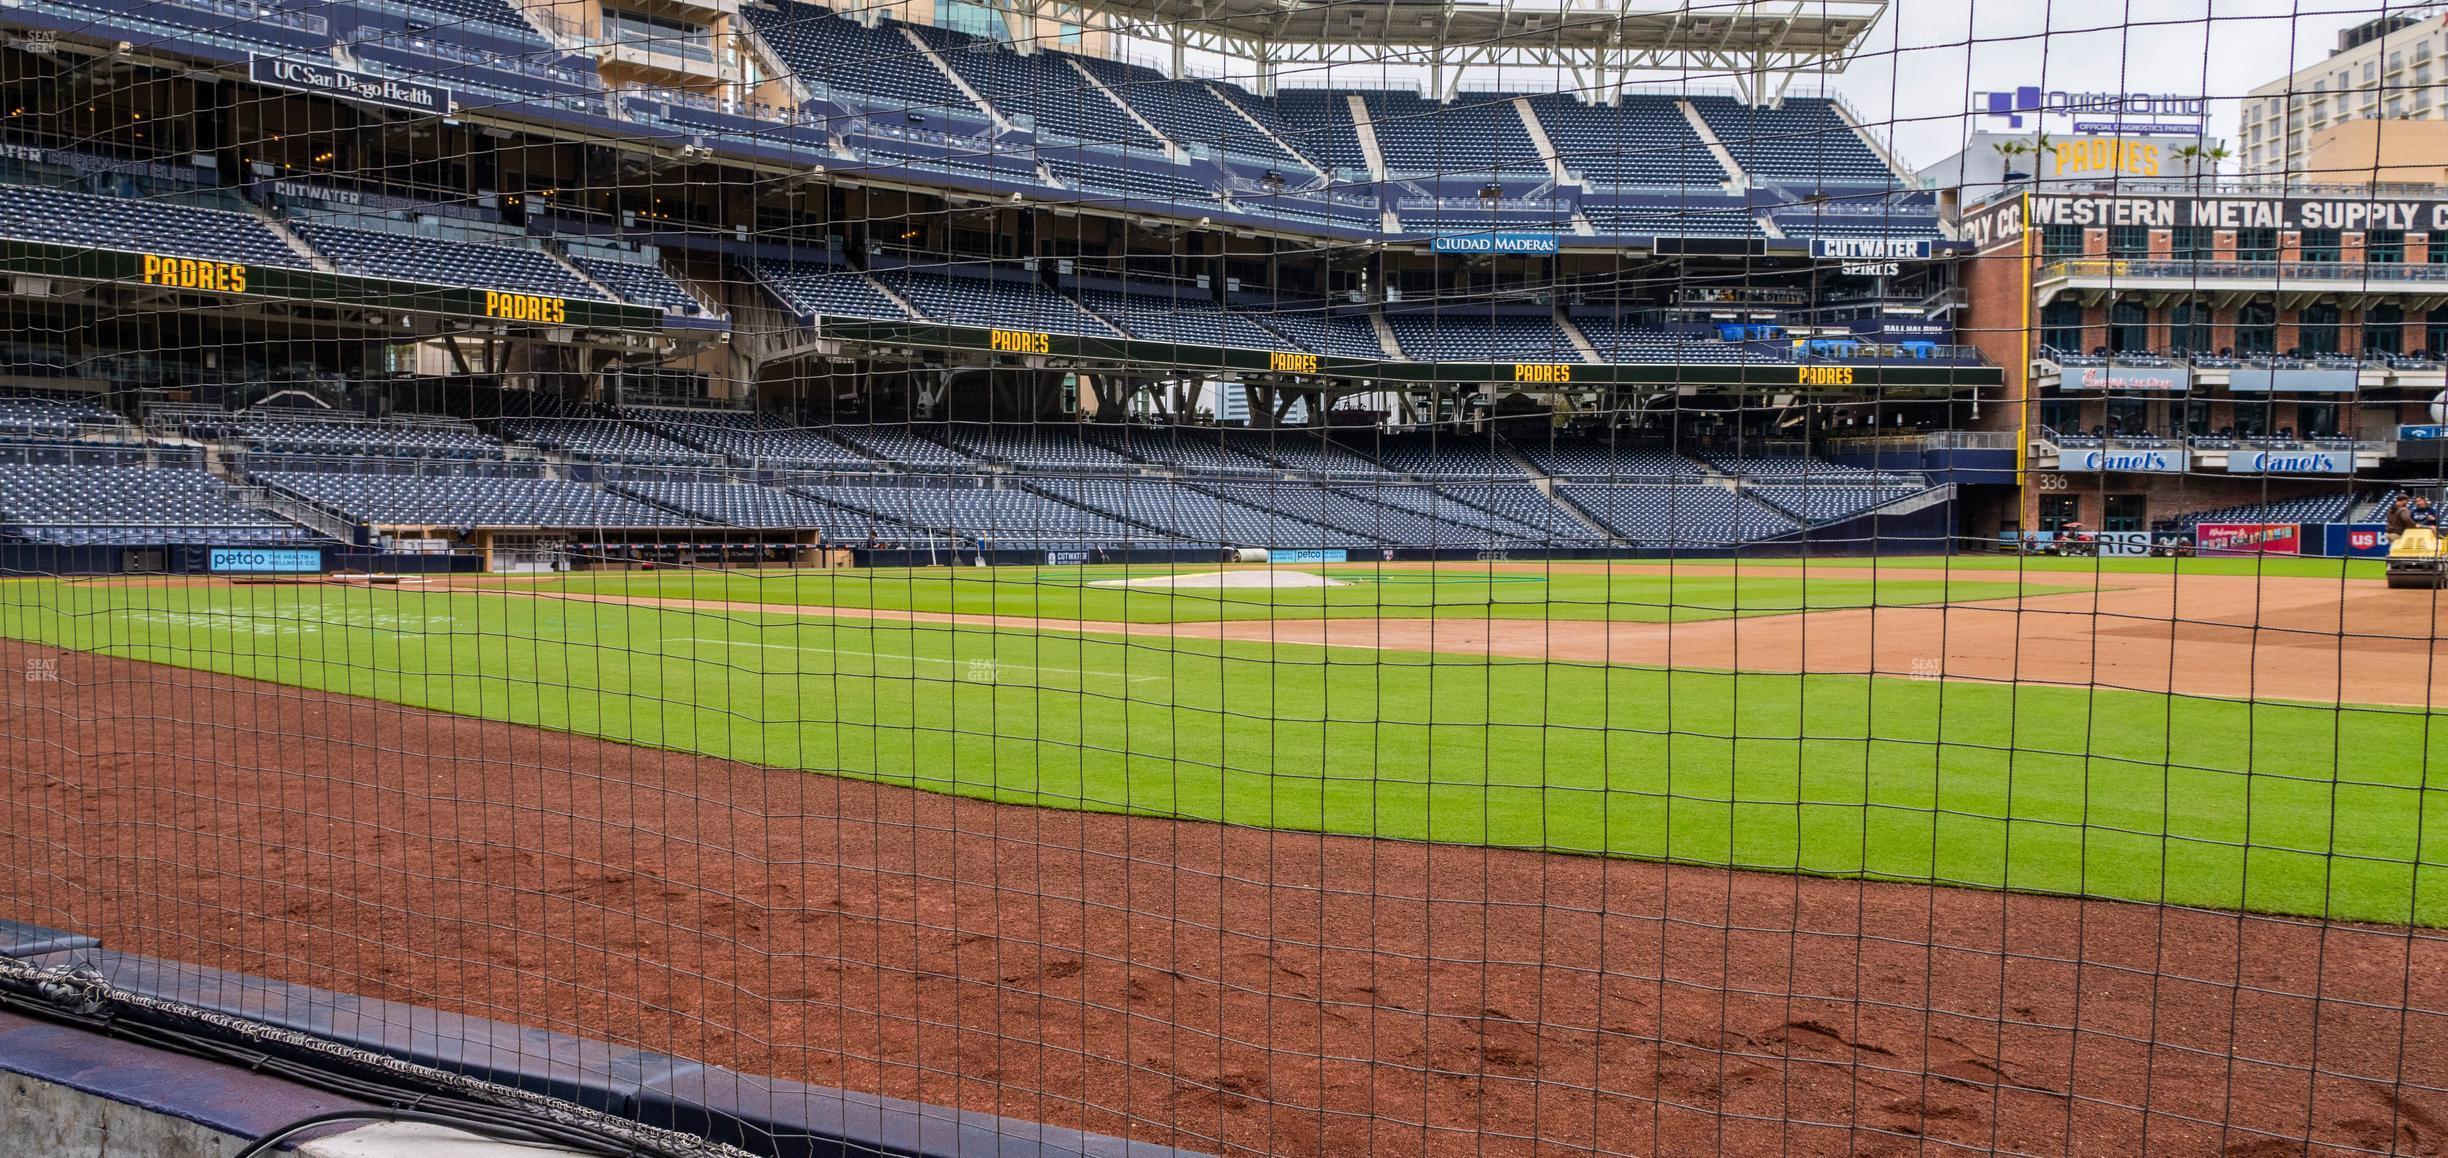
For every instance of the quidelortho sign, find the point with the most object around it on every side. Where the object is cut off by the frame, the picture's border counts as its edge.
(2003, 219)
(2159, 461)
(349, 84)
(2095, 111)
(2290, 462)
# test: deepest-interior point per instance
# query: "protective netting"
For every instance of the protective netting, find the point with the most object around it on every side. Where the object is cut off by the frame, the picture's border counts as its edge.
(1849, 579)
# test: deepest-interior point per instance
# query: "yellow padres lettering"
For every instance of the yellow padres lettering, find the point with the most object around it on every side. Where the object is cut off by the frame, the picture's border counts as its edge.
(1541, 372)
(525, 307)
(227, 277)
(1019, 342)
(1292, 363)
(1824, 375)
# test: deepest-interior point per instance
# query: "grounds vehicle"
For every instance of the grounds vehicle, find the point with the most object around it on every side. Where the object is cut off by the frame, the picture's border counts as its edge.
(2415, 559)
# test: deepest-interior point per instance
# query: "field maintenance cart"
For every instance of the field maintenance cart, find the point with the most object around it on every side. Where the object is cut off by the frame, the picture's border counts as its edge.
(2415, 559)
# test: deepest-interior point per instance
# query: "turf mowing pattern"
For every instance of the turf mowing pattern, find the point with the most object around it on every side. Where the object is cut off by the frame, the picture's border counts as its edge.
(2298, 809)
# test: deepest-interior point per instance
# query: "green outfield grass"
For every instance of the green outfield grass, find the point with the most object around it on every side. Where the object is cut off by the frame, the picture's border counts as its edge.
(1453, 590)
(2275, 807)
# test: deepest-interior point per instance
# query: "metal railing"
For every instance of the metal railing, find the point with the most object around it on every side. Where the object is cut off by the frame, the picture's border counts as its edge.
(2325, 271)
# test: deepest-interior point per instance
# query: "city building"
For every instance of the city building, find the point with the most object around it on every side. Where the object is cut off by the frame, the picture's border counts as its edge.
(2385, 69)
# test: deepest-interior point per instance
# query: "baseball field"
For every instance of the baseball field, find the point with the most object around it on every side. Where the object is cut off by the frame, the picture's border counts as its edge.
(2196, 737)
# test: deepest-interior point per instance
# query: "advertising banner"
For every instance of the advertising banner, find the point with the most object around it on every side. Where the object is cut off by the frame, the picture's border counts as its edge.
(2154, 379)
(287, 560)
(1303, 555)
(2261, 380)
(1494, 243)
(1869, 249)
(2290, 462)
(2248, 539)
(2423, 433)
(2123, 543)
(2170, 460)
(2006, 218)
(322, 76)
(2354, 540)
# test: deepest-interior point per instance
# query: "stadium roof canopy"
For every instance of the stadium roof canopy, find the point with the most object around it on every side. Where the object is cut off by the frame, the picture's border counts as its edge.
(1757, 46)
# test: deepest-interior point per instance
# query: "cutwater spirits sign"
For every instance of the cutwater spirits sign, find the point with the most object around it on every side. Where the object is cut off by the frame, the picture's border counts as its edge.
(1533, 243)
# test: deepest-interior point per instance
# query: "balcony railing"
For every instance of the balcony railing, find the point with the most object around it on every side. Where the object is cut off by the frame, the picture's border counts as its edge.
(2322, 271)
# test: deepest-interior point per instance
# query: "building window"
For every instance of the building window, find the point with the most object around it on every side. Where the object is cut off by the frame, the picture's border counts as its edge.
(2256, 328)
(2316, 419)
(657, 34)
(2128, 416)
(2196, 415)
(2122, 513)
(2061, 326)
(2384, 329)
(2256, 245)
(2058, 510)
(2189, 243)
(2061, 241)
(2384, 247)
(974, 19)
(2322, 245)
(2129, 241)
(2129, 328)
(2435, 332)
(2189, 327)
(2316, 329)
(2063, 415)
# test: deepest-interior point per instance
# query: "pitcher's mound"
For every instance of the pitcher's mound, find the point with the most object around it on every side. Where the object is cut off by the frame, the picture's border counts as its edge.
(1261, 577)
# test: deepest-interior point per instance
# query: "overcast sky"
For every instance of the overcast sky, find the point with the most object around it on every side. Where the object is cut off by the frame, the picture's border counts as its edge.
(1920, 65)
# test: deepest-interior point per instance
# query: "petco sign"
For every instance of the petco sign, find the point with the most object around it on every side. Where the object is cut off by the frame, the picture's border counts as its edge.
(2166, 461)
(2291, 462)
(349, 84)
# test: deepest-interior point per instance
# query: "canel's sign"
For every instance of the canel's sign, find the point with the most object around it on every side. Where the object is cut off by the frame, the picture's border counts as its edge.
(2291, 462)
(2165, 461)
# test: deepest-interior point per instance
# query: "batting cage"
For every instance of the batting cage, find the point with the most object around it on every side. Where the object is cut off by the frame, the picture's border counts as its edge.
(688, 577)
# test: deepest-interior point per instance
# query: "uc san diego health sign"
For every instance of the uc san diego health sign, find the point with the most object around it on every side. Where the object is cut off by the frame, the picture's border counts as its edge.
(349, 84)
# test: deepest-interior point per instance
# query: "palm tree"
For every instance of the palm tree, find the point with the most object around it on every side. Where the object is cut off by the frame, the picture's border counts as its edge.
(2009, 150)
(2217, 155)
